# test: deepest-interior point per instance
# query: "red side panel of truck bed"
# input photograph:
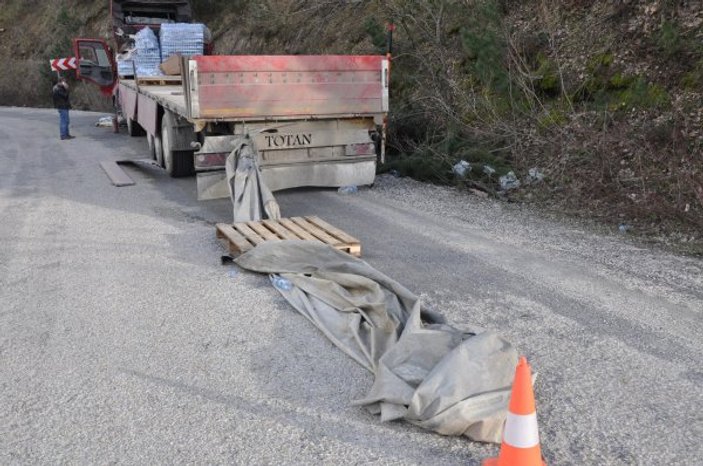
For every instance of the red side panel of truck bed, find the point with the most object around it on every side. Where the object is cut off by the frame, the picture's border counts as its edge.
(272, 86)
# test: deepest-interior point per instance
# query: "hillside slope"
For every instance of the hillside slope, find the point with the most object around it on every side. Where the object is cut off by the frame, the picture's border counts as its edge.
(602, 98)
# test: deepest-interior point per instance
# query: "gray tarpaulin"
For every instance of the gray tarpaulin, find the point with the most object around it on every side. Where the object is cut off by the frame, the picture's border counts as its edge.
(251, 198)
(426, 372)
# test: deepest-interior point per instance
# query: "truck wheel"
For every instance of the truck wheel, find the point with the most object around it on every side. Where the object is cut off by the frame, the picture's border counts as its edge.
(177, 163)
(133, 128)
(152, 146)
(158, 150)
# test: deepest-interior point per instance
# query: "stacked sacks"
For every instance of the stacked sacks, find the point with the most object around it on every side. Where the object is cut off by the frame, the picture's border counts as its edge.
(125, 63)
(147, 53)
(181, 38)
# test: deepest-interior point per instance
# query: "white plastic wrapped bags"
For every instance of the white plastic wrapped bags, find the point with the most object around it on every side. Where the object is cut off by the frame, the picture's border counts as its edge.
(182, 38)
(147, 53)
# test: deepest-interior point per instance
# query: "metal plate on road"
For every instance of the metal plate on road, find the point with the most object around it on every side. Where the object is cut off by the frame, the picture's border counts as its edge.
(117, 176)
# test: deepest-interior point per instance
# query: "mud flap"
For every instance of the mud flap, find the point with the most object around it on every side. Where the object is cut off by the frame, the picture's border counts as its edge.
(213, 185)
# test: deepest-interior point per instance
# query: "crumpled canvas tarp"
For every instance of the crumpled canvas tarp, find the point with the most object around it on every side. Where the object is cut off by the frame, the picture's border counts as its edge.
(251, 198)
(426, 372)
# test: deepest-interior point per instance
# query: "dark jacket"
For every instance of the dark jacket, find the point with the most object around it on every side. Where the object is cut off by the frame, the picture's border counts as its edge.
(60, 96)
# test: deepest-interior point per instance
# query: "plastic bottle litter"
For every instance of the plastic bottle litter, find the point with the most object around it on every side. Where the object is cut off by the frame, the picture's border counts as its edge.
(509, 181)
(461, 168)
(624, 227)
(534, 175)
(488, 170)
(282, 284)
(104, 122)
(348, 190)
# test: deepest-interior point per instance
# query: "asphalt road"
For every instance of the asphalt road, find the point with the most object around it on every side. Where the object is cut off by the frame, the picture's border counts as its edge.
(124, 340)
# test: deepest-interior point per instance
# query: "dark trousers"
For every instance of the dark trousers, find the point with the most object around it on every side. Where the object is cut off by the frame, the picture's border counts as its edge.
(63, 122)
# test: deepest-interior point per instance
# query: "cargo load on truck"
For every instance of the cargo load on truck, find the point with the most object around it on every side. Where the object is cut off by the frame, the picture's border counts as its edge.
(145, 52)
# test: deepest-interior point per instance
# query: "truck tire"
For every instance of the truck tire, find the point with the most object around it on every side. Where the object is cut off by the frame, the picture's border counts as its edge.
(178, 163)
(158, 151)
(134, 129)
(150, 141)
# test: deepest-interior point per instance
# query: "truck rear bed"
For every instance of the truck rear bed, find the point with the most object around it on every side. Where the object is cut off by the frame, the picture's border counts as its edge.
(263, 88)
(249, 86)
(316, 120)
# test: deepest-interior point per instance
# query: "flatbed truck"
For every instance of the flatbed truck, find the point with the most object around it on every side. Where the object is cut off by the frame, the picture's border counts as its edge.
(317, 120)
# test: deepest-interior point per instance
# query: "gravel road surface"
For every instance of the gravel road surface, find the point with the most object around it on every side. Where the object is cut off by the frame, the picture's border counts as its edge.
(124, 340)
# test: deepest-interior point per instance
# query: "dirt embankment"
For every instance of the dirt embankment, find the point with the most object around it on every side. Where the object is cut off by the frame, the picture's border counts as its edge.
(601, 98)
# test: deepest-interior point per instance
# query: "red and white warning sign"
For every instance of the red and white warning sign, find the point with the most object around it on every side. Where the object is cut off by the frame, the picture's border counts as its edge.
(63, 64)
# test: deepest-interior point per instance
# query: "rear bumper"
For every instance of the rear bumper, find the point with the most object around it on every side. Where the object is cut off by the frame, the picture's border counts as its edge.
(358, 171)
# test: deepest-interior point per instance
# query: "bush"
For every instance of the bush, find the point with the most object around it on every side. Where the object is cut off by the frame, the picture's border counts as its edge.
(693, 80)
(640, 94)
(484, 46)
(547, 81)
(376, 32)
(614, 90)
(669, 40)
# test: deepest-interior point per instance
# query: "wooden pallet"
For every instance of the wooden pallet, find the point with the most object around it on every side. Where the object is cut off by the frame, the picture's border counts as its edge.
(241, 237)
(159, 81)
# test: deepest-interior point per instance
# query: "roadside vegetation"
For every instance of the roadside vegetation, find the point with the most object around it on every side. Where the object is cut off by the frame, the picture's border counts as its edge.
(603, 99)
(594, 106)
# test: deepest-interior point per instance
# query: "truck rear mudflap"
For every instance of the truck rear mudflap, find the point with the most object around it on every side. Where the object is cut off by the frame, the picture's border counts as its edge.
(333, 173)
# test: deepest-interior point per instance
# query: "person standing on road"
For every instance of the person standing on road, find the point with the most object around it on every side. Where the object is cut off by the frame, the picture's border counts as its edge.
(63, 105)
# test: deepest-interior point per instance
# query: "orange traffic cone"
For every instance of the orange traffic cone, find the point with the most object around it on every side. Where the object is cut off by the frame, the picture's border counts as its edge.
(520, 446)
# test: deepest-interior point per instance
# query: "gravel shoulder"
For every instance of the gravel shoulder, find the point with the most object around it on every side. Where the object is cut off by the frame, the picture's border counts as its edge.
(123, 339)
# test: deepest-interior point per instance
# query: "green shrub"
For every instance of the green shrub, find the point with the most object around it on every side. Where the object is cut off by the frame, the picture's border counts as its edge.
(599, 62)
(553, 117)
(620, 81)
(669, 39)
(614, 90)
(484, 46)
(547, 82)
(596, 83)
(376, 32)
(640, 94)
(433, 161)
(420, 165)
(693, 80)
